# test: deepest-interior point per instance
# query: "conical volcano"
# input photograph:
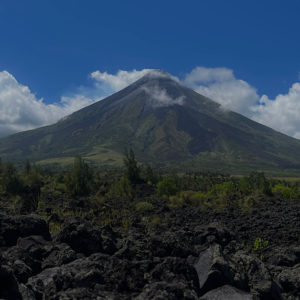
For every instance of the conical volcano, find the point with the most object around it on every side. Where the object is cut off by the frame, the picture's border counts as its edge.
(166, 124)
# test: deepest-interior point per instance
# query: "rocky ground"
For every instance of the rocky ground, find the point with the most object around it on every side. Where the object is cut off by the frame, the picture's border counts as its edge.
(199, 254)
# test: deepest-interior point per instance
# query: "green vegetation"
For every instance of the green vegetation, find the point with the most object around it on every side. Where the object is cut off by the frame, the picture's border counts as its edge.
(284, 191)
(144, 207)
(132, 171)
(259, 246)
(110, 197)
(168, 186)
(120, 189)
(78, 182)
(149, 175)
(11, 182)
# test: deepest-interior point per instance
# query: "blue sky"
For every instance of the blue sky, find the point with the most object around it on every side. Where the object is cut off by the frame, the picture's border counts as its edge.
(53, 46)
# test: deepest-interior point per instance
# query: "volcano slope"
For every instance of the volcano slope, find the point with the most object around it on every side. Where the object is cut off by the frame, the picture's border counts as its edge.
(166, 124)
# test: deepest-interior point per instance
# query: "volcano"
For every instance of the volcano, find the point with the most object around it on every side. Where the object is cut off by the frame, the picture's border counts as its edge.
(166, 124)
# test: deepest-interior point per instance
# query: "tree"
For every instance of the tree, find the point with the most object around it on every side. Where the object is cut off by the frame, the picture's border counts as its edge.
(27, 167)
(260, 183)
(132, 170)
(79, 180)
(10, 180)
(150, 176)
(34, 177)
(169, 186)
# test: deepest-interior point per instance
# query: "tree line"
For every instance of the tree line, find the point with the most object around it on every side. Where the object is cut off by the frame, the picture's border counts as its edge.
(199, 189)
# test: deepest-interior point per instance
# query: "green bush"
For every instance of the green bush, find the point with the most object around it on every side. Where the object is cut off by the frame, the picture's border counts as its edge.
(246, 203)
(259, 246)
(225, 190)
(221, 195)
(244, 186)
(175, 201)
(198, 199)
(144, 207)
(168, 186)
(187, 198)
(284, 191)
(54, 227)
(120, 189)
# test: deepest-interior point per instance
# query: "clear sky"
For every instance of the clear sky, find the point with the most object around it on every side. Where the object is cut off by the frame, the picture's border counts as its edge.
(53, 46)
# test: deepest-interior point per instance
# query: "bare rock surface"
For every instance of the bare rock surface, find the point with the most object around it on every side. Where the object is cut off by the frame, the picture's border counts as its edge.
(196, 257)
(226, 292)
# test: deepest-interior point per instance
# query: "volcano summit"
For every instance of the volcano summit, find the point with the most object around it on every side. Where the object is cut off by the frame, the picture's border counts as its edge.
(166, 124)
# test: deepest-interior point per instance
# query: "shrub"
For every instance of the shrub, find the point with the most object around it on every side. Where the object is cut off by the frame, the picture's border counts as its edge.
(244, 186)
(224, 190)
(175, 202)
(247, 203)
(259, 246)
(284, 191)
(120, 189)
(144, 207)
(54, 227)
(155, 221)
(169, 186)
(186, 198)
(222, 195)
(198, 199)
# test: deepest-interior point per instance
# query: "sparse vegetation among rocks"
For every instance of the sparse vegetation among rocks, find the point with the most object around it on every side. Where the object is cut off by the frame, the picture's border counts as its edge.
(184, 236)
(259, 246)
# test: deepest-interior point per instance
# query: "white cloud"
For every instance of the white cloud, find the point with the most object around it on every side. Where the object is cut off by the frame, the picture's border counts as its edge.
(221, 85)
(281, 113)
(160, 97)
(202, 75)
(120, 80)
(21, 110)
